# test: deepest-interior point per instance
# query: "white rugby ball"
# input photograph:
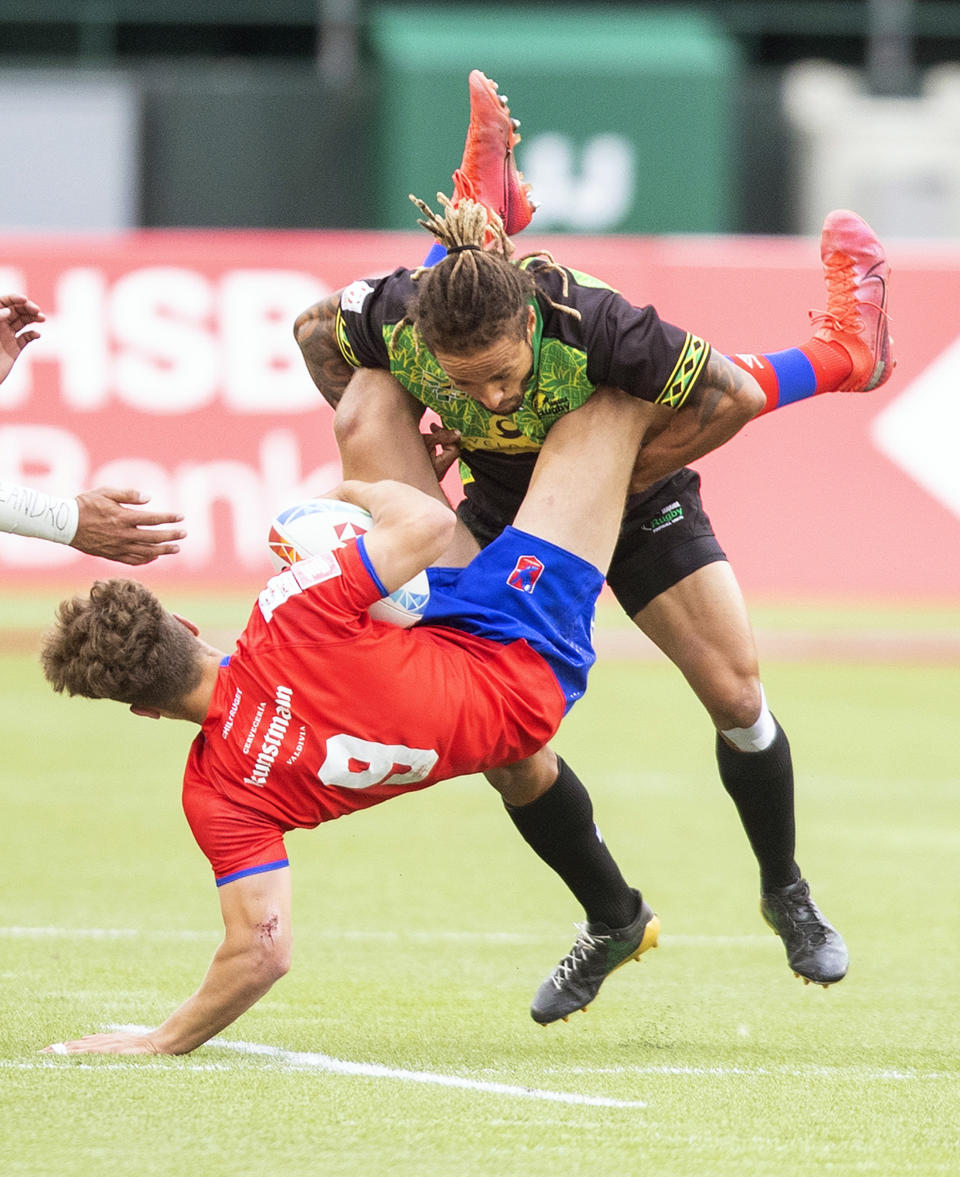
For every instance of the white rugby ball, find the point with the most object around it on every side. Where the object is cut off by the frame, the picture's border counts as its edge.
(323, 525)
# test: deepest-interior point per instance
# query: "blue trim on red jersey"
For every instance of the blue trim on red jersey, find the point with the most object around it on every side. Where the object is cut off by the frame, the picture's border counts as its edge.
(795, 375)
(253, 870)
(225, 660)
(362, 549)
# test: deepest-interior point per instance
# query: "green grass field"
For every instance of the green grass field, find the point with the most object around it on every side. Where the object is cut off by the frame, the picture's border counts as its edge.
(422, 929)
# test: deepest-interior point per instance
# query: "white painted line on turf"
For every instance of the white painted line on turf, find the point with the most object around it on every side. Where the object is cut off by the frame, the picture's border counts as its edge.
(537, 938)
(308, 1060)
(393, 937)
(791, 1071)
(76, 1064)
(857, 1074)
(17, 933)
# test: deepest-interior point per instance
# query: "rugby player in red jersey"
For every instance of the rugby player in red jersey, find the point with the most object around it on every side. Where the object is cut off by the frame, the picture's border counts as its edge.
(319, 710)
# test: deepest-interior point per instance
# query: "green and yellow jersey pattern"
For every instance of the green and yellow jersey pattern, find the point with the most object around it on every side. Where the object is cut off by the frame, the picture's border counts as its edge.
(607, 341)
(558, 386)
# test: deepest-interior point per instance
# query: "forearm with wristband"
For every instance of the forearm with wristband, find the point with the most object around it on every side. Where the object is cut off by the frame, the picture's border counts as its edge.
(24, 511)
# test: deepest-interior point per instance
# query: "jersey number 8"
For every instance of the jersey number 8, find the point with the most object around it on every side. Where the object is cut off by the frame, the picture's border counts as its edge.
(353, 763)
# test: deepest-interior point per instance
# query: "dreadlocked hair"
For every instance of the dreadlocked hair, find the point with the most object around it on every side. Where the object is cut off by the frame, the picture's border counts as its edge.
(120, 643)
(474, 296)
(464, 224)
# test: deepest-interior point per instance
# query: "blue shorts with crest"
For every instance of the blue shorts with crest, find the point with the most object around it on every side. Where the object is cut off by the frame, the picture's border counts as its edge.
(523, 588)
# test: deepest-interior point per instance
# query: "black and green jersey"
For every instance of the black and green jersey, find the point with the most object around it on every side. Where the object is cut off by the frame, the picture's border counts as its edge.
(608, 342)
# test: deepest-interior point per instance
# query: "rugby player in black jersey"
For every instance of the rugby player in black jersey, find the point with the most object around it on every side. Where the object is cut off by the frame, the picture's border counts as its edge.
(499, 350)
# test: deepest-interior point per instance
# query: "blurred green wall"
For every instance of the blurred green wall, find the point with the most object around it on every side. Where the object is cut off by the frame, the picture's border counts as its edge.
(628, 117)
(255, 145)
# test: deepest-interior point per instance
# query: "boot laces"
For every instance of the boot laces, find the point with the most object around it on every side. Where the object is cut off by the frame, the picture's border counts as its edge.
(807, 920)
(843, 309)
(844, 304)
(584, 946)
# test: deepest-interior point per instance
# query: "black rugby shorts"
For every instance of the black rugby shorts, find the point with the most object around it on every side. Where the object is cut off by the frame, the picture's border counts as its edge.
(665, 536)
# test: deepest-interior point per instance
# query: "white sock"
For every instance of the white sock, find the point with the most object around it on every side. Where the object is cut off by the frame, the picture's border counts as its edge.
(761, 735)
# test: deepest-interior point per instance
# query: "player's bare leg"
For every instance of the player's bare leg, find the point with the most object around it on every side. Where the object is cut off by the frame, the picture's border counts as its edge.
(377, 427)
(701, 624)
(519, 784)
(579, 484)
(575, 500)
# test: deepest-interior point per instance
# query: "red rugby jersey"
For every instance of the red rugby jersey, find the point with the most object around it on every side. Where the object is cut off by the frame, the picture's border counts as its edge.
(321, 711)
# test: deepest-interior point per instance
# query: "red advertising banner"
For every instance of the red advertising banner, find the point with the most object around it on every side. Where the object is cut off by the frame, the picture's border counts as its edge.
(167, 363)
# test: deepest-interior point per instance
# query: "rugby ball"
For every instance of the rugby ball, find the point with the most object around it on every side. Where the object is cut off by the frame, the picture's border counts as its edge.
(323, 525)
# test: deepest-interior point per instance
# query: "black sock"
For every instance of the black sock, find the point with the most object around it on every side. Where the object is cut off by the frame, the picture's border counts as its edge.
(559, 827)
(761, 785)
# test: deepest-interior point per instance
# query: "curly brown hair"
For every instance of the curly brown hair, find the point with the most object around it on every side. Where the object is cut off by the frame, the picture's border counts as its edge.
(120, 643)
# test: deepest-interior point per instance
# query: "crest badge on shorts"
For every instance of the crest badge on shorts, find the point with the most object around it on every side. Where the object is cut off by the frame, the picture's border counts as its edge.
(525, 574)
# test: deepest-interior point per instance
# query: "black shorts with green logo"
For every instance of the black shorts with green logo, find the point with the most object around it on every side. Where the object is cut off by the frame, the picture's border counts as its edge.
(666, 535)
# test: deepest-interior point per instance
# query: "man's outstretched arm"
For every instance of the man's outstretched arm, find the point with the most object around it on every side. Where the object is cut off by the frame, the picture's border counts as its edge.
(107, 526)
(410, 530)
(99, 522)
(255, 952)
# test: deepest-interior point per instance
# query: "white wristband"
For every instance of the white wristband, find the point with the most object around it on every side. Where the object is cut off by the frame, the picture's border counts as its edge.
(24, 511)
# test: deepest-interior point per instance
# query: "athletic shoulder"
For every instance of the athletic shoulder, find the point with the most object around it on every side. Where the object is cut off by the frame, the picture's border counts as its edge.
(369, 309)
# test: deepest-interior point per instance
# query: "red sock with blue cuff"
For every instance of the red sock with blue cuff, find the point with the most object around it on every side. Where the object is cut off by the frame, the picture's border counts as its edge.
(797, 373)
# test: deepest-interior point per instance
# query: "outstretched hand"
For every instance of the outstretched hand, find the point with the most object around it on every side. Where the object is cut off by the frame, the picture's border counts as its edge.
(110, 529)
(16, 312)
(119, 1042)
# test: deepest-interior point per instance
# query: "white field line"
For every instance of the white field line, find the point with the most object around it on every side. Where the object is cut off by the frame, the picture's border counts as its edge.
(76, 1065)
(42, 933)
(441, 935)
(792, 1071)
(628, 643)
(308, 1060)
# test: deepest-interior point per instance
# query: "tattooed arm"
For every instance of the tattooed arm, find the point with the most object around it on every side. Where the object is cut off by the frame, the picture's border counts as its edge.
(315, 333)
(722, 401)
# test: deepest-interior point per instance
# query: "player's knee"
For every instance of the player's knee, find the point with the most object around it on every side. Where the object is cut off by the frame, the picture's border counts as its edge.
(274, 963)
(267, 951)
(373, 408)
(737, 704)
(521, 783)
(350, 422)
(281, 964)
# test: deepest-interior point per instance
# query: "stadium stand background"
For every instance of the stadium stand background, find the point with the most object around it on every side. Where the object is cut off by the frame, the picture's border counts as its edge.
(302, 113)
